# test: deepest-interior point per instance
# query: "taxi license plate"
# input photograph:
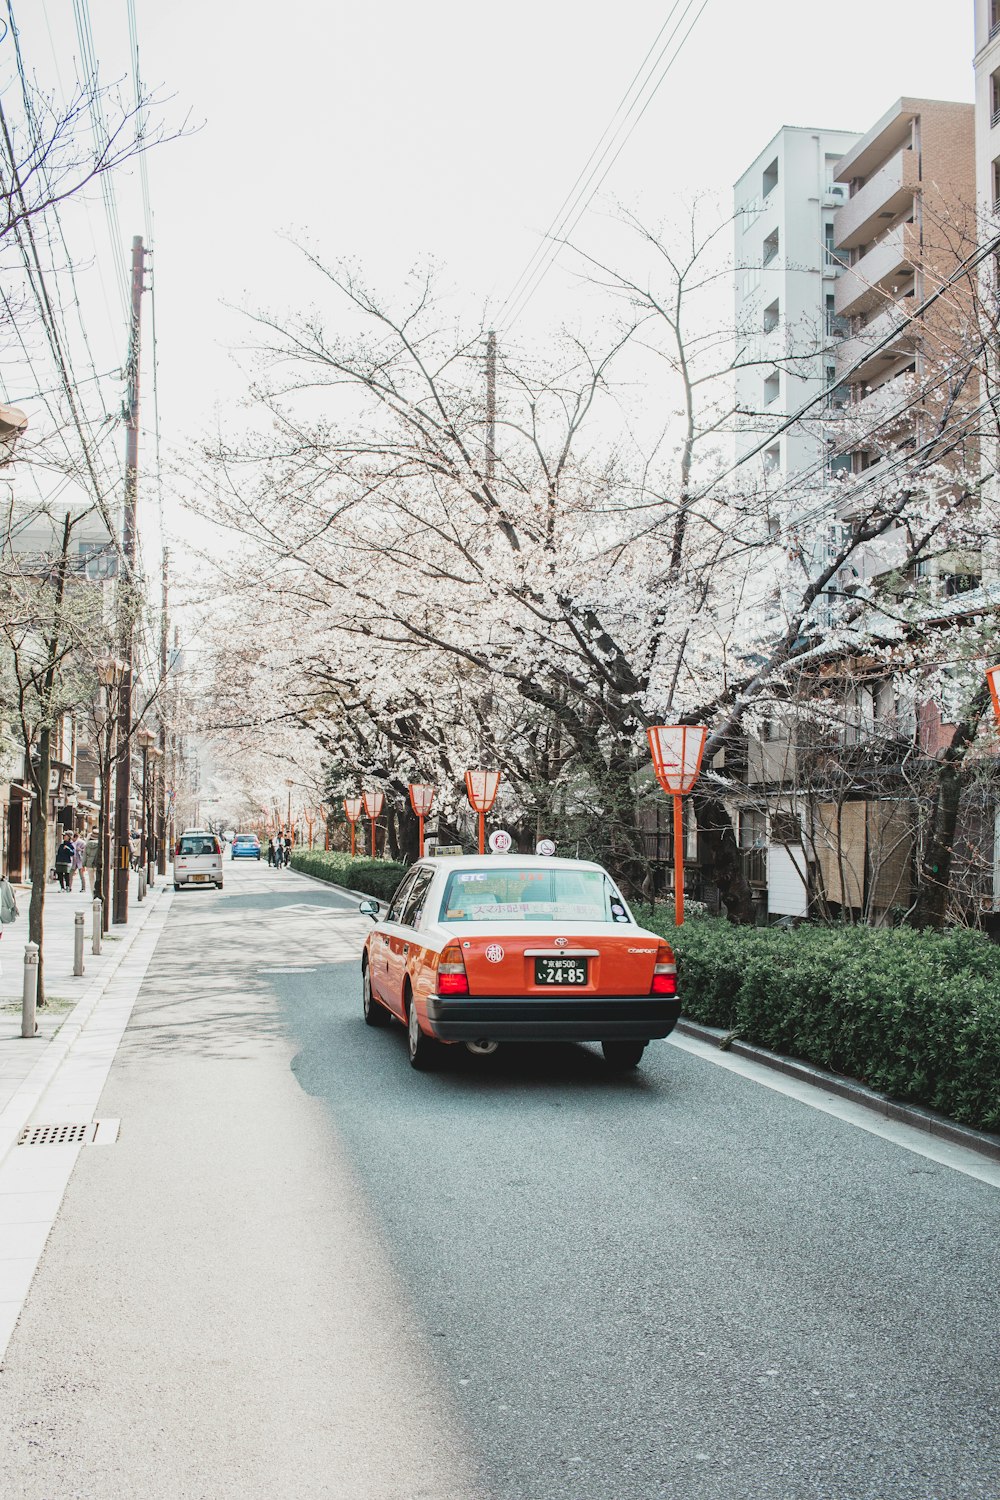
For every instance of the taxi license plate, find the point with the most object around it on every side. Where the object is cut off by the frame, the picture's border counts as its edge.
(560, 971)
(199, 877)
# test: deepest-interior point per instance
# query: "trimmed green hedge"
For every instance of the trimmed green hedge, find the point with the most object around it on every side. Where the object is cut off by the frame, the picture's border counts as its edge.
(376, 877)
(913, 1014)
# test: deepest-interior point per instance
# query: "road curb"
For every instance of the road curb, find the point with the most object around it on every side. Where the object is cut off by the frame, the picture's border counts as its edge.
(18, 1109)
(916, 1115)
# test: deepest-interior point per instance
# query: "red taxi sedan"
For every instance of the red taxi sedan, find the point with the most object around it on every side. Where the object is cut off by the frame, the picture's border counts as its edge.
(497, 948)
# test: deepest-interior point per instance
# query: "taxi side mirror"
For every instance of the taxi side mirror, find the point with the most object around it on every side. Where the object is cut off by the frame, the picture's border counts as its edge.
(369, 909)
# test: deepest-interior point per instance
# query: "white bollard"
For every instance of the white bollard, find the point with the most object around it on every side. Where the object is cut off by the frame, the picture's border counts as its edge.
(142, 885)
(150, 874)
(78, 944)
(29, 994)
(95, 946)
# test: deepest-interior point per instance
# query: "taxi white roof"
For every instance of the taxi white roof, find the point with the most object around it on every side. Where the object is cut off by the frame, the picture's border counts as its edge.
(507, 862)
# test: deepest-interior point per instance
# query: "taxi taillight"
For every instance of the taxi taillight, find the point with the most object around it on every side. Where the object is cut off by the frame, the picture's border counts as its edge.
(452, 978)
(664, 972)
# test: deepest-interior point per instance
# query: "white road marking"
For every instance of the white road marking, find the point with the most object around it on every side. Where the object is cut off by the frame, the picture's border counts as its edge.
(958, 1158)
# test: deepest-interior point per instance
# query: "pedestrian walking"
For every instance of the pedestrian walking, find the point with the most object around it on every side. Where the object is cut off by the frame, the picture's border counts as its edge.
(90, 852)
(270, 852)
(64, 863)
(79, 849)
(279, 852)
(288, 851)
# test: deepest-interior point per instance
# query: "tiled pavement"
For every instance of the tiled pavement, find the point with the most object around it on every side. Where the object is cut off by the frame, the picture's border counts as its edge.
(58, 1076)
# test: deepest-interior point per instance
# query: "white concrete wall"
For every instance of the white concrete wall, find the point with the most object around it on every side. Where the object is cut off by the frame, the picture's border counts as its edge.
(798, 279)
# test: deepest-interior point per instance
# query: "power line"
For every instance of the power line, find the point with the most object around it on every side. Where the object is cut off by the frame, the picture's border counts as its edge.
(540, 247)
(606, 159)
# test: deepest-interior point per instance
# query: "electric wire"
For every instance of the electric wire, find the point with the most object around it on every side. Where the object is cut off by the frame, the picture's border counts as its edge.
(583, 198)
(541, 246)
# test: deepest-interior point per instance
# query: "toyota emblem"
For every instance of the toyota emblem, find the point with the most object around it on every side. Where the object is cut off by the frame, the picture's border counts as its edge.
(562, 942)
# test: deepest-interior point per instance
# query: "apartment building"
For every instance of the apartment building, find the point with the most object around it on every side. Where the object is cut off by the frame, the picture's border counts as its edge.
(786, 319)
(987, 107)
(987, 131)
(908, 222)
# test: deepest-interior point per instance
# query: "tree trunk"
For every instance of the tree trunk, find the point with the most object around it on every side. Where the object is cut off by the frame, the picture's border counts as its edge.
(934, 874)
(720, 859)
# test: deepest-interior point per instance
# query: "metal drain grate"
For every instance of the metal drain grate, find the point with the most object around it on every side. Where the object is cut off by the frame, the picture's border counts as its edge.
(57, 1135)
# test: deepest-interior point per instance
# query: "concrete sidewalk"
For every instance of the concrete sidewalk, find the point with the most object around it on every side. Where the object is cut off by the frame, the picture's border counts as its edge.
(69, 999)
(61, 1073)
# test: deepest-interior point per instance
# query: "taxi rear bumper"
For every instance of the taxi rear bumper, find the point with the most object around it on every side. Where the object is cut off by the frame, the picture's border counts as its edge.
(524, 1018)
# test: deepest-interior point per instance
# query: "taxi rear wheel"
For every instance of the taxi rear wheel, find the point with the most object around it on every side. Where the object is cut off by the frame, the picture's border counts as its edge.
(423, 1050)
(375, 1014)
(623, 1054)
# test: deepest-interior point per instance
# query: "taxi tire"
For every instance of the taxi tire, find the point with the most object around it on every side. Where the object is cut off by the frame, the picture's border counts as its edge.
(375, 1014)
(621, 1055)
(423, 1051)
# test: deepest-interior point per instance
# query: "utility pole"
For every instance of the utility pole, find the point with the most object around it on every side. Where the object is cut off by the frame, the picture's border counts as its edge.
(491, 406)
(161, 812)
(486, 703)
(128, 594)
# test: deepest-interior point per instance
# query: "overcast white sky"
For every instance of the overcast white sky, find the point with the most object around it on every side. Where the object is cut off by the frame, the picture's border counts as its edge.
(395, 131)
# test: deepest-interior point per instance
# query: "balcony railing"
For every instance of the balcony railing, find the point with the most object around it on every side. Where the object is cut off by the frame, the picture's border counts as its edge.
(836, 327)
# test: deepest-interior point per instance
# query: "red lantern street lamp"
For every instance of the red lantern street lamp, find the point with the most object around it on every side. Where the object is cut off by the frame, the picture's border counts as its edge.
(677, 750)
(993, 678)
(373, 801)
(481, 787)
(421, 800)
(352, 812)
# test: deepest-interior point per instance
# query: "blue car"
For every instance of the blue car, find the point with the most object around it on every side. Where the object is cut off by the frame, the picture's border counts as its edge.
(246, 846)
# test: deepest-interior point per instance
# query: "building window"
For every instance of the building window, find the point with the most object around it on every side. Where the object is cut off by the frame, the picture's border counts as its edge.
(836, 327)
(996, 185)
(830, 259)
(994, 17)
(995, 99)
(770, 179)
(753, 844)
(772, 458)
(772, 315)
(770, 247)
(772, 388)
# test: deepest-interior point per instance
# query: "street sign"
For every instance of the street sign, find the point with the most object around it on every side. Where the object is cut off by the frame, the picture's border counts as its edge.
(434, 850)
(500, 841)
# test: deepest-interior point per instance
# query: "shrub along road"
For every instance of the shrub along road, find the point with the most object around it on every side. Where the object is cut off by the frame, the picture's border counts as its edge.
(306, 1269)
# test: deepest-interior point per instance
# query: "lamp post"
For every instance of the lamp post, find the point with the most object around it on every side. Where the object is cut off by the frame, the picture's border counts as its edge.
(352, 812)
(373, 801)
(481, 787)
(110, 673)
(421, 800)
(155, 754)
(289, 782)
(146, 739)
(677, 750)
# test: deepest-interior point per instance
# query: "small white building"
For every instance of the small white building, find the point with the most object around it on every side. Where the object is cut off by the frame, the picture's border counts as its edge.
(785, 317)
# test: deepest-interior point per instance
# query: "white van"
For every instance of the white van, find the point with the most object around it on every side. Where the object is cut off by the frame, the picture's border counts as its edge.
(197, 859)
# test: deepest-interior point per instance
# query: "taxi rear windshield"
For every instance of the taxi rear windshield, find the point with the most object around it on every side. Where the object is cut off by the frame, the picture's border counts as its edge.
(512, 895)
(191, 845)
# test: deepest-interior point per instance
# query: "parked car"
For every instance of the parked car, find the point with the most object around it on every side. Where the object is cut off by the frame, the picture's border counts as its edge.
(494, 948)
(245, 846)
(197, 860)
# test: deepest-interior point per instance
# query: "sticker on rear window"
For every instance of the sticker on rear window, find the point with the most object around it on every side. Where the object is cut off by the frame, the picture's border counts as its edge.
(474, 875)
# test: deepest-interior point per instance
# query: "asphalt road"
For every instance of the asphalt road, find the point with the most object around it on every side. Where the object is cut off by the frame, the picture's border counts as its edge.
(306, 1270)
